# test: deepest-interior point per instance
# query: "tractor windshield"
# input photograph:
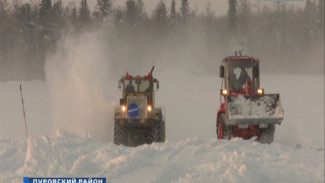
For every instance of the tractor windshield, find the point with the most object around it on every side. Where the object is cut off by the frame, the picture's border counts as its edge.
(130, 86)
(144, 85)
(239, 72)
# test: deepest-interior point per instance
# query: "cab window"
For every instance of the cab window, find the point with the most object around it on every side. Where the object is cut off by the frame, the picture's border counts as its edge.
(130, 86)
(144, 85)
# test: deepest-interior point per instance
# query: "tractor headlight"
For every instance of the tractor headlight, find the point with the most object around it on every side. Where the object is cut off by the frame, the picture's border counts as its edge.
(149, 108)
(123, 108)
(260, 91)
(224, 92)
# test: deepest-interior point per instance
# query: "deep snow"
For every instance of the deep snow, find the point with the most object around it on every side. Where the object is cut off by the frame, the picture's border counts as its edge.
(192, 152)
(188, 160)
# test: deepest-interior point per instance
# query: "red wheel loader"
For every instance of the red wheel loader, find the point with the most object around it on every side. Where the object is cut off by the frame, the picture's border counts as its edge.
(245, 110)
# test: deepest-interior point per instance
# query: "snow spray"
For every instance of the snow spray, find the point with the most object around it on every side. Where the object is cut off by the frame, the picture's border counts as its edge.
(78, 78)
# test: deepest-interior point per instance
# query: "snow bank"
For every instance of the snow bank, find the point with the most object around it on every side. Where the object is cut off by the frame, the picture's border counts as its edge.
(189, 160)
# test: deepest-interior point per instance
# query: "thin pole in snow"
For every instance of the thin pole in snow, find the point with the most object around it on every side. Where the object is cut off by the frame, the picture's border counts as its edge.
(22, 102)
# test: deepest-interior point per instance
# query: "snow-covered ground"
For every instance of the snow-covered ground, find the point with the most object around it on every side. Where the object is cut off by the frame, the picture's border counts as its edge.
(188, 160)
(192, 152)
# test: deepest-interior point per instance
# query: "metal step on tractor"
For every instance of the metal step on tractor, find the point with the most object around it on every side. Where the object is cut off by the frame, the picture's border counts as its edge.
(137, 120)
(245, 110)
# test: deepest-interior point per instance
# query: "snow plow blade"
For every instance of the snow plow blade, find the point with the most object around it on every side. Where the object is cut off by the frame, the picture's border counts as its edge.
(253, 109)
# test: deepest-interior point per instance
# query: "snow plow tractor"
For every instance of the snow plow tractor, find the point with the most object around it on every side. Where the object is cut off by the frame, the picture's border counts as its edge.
(245, 110)
(137, 120)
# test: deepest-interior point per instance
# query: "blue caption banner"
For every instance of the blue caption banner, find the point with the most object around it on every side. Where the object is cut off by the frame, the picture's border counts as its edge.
(64, 180)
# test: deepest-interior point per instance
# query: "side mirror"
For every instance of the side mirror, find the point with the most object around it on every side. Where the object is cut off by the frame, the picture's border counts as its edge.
(222, 71)
(157, 83)
(119, 85)
(256, 71)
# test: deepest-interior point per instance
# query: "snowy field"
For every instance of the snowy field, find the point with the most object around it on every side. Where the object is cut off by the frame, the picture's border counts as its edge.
(188, 160)
(191, 154)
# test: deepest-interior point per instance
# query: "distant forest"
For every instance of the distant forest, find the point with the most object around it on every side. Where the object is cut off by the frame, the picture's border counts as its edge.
(289, 39)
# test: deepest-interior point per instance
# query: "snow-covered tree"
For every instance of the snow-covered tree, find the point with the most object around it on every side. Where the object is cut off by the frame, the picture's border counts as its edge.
(311, 29)
(4, 30)
(131, 11)
(103, 9)
(173, 20)
(160, 13)
(160, 18)
(185, 10)
(84, 13)
(135, 12)
(173, 10)
(232, 15)
(45, 15)
(208, 10)
(320, 14)
(73, 16)
(244, 9)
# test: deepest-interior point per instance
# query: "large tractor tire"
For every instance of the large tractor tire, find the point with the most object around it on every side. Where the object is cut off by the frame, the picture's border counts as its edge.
(150, 135)
(163, 132)
(267, 135)
(223, 131)
(156, 133)
(159, 132)
(120, 134)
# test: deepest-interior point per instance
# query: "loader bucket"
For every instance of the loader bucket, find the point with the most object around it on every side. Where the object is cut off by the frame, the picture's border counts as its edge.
(253, 109)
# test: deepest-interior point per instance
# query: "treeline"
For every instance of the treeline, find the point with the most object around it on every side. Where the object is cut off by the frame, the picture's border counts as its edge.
(174, 34)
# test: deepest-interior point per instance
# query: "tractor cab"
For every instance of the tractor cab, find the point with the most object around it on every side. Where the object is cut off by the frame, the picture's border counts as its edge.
(138, 85)
(241, 74)
(138, 91)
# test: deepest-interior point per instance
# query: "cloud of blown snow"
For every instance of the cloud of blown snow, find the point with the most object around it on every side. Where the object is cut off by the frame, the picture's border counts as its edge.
(78, 77)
